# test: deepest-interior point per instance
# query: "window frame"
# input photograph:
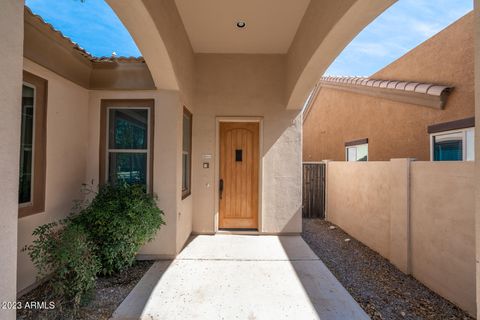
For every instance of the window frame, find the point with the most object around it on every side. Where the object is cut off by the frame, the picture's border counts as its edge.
(463, 131)
(355, 144)
(34, 127)
(188, 191)
(108, 104)
(39, 145)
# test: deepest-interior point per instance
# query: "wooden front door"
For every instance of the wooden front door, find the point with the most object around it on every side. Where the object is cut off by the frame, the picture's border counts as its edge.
(239, 160)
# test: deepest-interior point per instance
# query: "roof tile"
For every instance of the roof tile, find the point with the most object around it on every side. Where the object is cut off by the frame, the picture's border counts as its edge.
(411, 86)
(416, 87)
(75, 46)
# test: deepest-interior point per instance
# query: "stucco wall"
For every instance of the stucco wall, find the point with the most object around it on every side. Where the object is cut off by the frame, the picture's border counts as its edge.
(66, 160)
(163, 41)
(11, 37)
(426, 230)
(247, 85)
(477, 147)
(166, 168)
(326, 28)
(358, 200)
(169, 23)
(442, 229)
(394, 129)
(73, 117)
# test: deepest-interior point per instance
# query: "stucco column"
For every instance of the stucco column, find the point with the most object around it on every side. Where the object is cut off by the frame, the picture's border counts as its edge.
(11, 64)
(477, 146)
(326, 162)
(400, 214)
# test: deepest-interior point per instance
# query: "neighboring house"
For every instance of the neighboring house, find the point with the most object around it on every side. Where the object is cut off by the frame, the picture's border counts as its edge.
(420, 106)
(214, 109)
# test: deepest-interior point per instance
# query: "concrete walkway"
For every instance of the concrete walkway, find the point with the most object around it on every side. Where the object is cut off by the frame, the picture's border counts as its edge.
(240, 277)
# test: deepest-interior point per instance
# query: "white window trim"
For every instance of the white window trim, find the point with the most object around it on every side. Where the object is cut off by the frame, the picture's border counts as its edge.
(354, 146)
(32, 184)
(464, 139)
(107, 143)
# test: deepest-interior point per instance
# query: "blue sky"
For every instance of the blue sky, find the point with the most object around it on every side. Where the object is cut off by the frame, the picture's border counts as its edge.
(398, 30)
(92, 24)
(96, 28)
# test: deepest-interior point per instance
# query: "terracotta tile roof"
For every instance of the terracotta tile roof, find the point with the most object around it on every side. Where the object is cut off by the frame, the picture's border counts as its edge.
(118, 59)
(411, 92)
(76, 47)
(416, 87)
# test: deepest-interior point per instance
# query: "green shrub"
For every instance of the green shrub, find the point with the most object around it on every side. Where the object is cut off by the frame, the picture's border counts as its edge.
(64, 251)
(119, 220)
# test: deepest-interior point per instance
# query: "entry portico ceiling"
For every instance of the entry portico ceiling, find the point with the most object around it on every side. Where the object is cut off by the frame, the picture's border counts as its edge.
(270, 24)
(310, 34)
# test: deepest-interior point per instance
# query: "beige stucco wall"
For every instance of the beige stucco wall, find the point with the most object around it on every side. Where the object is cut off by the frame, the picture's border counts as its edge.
(248, 86)
(73, 117)
(66, 160)
(394, 129)
(169, 23)
(163, 41)
(477, 147)
(442, 229)
(419, 215)
(358, 200)
(11, 37)
(166, 168)
(326, 28)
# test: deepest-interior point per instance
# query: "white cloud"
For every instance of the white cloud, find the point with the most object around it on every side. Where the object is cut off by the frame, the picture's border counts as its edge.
(372, 49)
(401, 28)
(426, 29)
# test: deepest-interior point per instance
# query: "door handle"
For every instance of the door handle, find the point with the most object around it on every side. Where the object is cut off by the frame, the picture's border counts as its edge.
(220, 187)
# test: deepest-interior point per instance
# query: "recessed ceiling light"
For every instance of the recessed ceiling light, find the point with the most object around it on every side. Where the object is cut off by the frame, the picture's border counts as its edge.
(241, 24)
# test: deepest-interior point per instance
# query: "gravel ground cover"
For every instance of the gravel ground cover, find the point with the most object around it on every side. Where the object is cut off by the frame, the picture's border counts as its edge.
(382, 290)
(109, 293)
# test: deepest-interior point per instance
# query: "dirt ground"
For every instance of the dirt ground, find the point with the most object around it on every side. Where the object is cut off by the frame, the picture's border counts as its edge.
(109, 293)
(382, 290)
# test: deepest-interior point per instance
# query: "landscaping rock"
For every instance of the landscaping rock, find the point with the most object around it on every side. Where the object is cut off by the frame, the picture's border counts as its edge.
(383, 291)
(109, 293)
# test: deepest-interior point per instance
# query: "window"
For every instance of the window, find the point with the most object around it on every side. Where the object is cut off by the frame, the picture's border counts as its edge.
(186, 153)
(31, 191)
(454, 145)
(127, 142)
(357, 150)
(26, 145)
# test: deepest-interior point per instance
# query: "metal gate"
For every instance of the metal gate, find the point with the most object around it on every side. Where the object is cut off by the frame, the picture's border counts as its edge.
(313, 189)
